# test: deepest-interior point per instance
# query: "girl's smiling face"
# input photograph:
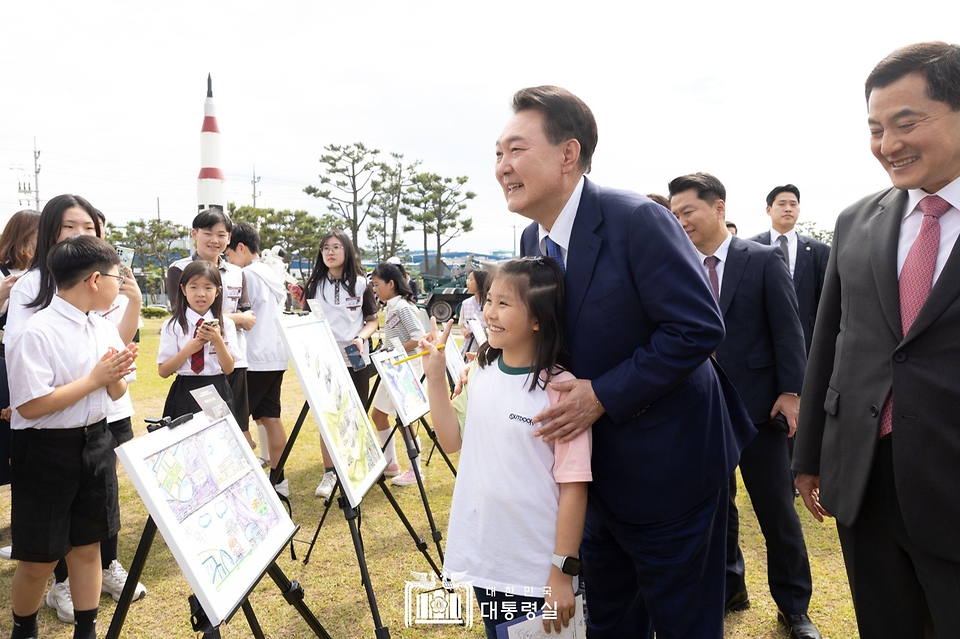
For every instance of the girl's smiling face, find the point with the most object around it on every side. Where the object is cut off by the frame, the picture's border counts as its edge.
(510, 325)
(200, 294)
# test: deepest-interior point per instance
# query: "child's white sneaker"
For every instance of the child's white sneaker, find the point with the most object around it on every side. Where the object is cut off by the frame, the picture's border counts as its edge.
(326, 485)
(115, 578)
(58, 598)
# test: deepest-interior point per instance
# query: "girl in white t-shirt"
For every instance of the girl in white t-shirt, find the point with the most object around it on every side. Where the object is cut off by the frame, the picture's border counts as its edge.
(401, 321)
(198, 342)
(519, 503)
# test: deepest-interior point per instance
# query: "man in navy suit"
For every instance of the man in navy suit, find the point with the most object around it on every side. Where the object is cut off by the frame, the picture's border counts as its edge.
(806, 257)
(764, 355)
(640, 326)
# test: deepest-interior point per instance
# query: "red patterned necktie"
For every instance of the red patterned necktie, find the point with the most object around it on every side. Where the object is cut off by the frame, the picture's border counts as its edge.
(711, 264)
(916, 278)
(196, 360)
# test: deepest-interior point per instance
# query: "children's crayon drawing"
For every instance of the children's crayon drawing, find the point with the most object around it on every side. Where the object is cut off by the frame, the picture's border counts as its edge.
(346, 429)
(213, 504)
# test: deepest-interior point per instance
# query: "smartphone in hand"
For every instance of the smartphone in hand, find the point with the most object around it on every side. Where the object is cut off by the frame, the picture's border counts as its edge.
(356, 359)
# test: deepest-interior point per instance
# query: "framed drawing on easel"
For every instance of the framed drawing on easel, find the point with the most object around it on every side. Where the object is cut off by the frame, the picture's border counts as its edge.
(402, 381)
(214, 506)
(344, 425)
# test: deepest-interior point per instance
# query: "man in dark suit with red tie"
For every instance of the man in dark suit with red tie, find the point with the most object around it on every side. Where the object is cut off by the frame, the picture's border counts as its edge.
(878, 444)
(806, 258)
(764, 355)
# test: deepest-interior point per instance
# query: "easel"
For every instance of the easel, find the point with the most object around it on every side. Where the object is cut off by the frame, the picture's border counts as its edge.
(292, 591)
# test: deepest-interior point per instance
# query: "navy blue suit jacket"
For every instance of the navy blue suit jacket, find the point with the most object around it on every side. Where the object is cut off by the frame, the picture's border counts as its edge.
(764, 352)
(808, 275)
(641, 323)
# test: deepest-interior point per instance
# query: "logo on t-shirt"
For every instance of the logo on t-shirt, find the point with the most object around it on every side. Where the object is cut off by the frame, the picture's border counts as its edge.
(520, 418)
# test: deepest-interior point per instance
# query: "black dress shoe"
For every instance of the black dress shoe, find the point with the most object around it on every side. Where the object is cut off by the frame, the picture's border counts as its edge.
(736, 602)
(800, 626)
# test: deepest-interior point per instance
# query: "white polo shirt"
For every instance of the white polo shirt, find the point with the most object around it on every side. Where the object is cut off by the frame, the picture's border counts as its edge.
(173, 339)
(61, 344)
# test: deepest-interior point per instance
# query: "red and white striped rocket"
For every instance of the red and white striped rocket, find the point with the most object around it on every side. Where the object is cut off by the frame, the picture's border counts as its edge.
(210, 191)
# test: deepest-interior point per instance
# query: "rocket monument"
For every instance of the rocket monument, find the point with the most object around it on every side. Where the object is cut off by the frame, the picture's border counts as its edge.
(210, 191)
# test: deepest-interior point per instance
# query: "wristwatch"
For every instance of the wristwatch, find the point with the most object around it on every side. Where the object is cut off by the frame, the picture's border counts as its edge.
(567, 565)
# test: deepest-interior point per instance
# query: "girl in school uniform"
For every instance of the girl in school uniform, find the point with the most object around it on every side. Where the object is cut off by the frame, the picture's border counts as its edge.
(197, 343)
(401, 321)
(471, 309)
(338, 286)
(519, 503)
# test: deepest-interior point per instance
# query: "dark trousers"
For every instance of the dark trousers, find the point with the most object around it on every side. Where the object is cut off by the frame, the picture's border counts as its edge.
(361, 381)
(665, 576)
(765, 467)
(898, 589)
(499, 607)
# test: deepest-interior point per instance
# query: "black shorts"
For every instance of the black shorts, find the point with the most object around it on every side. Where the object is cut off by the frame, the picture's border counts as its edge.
(64, 491)
(241, 400)
(264, 388)
(121, 430)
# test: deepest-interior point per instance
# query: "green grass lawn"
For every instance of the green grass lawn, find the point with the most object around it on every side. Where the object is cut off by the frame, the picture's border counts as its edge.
(331, 580)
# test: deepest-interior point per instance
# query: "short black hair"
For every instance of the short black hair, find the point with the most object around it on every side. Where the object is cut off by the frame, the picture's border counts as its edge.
(938, 62)
(209, 218)
(244, 233)
(777, 190)
(731, 225)
(75, 258)
(565, 117)
(709, 189)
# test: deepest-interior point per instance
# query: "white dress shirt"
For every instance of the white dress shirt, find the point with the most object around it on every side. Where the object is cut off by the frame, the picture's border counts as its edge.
(61, 344)
(792, 244)
(720, 254)
(563, 226)
(913, 216)
(173, 339)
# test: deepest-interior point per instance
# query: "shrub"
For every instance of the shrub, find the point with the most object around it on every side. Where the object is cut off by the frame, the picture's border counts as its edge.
(152, 312)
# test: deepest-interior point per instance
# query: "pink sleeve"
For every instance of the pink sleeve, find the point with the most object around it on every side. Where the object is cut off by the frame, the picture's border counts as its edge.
(571, 460)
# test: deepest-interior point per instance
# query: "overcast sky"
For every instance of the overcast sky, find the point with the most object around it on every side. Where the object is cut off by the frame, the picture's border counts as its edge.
(760, 95)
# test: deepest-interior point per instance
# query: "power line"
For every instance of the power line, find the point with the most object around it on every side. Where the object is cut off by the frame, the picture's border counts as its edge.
(25, 188)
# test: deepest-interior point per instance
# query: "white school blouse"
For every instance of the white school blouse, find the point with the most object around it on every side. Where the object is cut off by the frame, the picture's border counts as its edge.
(231, 278)
(24, 291)
(173, 339)
(344, 312)
(59, 345)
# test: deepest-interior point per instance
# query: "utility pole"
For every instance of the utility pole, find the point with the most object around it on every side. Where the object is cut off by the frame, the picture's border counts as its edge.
(254, 182)
(158, 208)
(25, 187)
